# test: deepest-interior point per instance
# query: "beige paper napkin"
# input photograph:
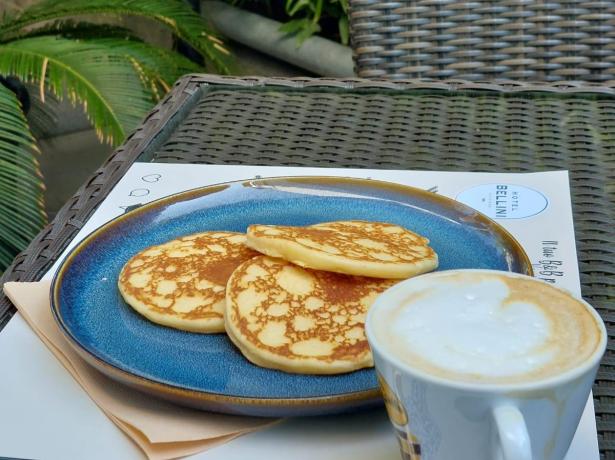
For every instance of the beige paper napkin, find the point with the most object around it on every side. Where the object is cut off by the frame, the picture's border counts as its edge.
(162, 430)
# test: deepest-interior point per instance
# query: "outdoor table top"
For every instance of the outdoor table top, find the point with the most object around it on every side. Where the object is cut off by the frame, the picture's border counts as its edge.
(444, 125)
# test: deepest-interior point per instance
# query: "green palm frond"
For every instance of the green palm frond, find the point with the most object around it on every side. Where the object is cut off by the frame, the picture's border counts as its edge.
(162, 65)
(112, 78)
(158, 68)
(42, 116)
(173, 14)
(21, 190)
(69, 28)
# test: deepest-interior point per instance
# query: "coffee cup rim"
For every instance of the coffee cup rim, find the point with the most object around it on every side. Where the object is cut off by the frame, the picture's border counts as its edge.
(566, 376)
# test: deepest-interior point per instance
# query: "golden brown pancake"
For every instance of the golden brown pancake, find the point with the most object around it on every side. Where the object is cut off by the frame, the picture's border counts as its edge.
(362, 248)
(181, 284)
(298, 320)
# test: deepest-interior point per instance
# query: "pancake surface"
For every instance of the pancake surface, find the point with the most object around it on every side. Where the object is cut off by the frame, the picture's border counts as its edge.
(299, 320)
(181, 284)
(361, 248)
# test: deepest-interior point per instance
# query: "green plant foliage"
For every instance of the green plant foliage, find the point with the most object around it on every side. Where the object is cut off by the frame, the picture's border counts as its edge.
(161, 66)
(310, 13)
(344, 29)
(303, 18)
(21, 189)
(112, 78)
(300, 28)
(114, 75)
(173, 14)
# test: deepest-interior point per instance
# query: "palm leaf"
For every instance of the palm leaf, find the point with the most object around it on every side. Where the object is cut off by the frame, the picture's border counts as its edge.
(173, 14)
(21, 189)
(157, 67)
(44, 111)
(162, 67)
(69, 28)
(101, 74)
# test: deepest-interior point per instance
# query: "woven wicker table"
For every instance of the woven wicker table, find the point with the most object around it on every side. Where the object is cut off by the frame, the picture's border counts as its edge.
(450, 125)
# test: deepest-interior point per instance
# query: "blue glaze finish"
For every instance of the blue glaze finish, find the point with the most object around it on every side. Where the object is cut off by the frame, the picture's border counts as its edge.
(92, 313)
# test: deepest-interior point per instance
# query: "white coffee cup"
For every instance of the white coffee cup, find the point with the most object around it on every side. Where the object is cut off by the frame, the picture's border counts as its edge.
(478, 370)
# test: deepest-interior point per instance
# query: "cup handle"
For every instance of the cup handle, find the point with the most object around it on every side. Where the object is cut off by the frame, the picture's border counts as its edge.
(514, 440)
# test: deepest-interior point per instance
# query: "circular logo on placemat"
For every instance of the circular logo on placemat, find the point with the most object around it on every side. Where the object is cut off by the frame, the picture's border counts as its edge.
(504, 201)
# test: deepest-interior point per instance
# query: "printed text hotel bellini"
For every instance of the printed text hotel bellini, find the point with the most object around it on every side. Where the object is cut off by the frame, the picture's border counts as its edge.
(505, 202)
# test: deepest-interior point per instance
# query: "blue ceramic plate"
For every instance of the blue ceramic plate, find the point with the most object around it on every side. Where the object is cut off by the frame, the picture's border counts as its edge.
(206, 371)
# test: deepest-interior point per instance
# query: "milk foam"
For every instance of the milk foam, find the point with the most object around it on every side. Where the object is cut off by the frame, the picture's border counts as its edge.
(468, 331)
(488, 328)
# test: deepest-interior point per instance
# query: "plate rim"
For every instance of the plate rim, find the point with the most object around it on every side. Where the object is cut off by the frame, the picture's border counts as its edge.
(172, 390)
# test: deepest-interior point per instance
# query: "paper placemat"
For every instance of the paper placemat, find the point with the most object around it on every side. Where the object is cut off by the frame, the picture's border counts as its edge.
(534, 207)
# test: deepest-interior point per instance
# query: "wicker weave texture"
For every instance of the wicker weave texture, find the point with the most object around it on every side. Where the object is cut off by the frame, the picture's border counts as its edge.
(537, 40)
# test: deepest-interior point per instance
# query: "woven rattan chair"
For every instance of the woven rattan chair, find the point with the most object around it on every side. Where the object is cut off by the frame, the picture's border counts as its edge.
(538, 40)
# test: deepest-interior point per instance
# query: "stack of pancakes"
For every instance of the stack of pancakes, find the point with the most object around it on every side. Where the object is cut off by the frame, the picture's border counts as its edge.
(289, 298)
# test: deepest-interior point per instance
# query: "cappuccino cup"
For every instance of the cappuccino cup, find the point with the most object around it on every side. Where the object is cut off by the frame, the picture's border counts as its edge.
(484, 365)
